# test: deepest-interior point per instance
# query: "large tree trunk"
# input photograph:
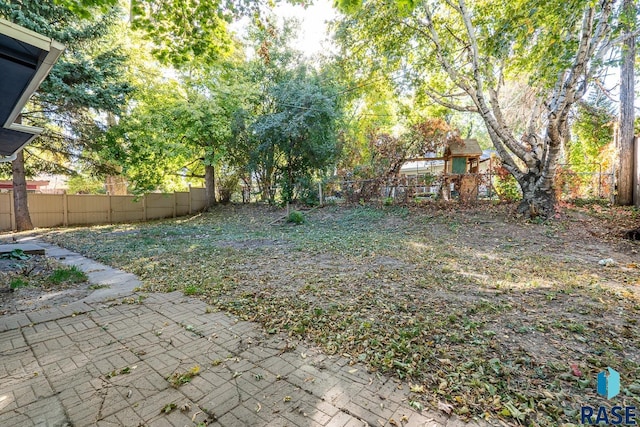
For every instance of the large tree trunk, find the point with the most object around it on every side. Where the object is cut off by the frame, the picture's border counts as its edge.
(626, 138)
(21, 209)
(536, 177)
(537, 200)
(210, 185)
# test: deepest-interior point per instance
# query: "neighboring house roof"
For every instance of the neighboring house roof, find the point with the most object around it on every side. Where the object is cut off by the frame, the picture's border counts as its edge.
(26, 58)
(468, 148)
(31, 185)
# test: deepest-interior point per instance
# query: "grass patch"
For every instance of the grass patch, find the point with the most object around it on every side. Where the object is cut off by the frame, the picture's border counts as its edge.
(192, 290)
(17, 283)
(67, 275)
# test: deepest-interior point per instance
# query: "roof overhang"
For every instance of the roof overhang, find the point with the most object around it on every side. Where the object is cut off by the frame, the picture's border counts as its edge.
(26, 58)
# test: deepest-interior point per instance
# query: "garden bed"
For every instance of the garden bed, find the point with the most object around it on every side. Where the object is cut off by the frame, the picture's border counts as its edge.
(31, 282)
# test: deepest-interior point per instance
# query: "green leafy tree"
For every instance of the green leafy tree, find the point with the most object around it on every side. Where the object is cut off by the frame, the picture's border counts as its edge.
(86, 8)
(188, 33)
(80, 184)
(175, 130)
(287, 131)
(463, 53)
(141, 144)
(301, 127)
(371, 107)
(183, 31)
(592, 131)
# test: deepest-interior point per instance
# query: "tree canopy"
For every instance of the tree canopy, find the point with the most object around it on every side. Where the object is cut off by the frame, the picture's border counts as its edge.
(464, 54)
(164, 93)
(87, 80)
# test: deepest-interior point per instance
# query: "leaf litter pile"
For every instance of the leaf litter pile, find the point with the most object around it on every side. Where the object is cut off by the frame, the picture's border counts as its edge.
(480, 313)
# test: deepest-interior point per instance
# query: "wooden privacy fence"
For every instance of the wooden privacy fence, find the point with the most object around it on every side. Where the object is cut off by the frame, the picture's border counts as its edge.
(53, 210)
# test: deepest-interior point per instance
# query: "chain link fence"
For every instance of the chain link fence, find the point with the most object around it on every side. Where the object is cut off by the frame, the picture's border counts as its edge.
(573, 183)
(406, 189)
(466, 188)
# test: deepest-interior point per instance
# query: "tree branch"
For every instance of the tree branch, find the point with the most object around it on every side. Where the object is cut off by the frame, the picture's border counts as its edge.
(440, 99)
(493, 118)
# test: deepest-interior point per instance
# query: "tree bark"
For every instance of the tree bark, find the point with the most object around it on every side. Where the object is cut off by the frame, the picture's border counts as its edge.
(21, 208)
(537, 201)
(625, 166)
(210, 185)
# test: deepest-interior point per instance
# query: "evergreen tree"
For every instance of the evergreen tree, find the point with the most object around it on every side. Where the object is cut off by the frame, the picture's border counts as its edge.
(84, 83)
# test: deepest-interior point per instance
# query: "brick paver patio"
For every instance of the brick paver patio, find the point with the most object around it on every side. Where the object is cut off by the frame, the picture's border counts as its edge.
(108, 360)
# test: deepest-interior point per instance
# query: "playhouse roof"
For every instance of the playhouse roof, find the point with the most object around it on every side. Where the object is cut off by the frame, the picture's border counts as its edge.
(467, 148)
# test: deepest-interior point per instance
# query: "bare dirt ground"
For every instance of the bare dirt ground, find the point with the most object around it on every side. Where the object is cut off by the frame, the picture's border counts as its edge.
(480, 312)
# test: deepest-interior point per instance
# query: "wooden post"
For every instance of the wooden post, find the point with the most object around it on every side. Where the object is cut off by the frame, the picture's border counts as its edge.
(175, 204)
(144, 207)
(110, 214)
(190, 201)
(636, 184)
(65, 209)
(320, 193)
(12, 212)
(612, 185)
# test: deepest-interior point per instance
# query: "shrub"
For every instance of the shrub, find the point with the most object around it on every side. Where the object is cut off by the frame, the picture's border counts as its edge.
(296, 217)
(306, 191)
(506, 185)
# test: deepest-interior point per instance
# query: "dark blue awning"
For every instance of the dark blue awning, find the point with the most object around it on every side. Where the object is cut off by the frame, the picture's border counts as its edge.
(26, 58)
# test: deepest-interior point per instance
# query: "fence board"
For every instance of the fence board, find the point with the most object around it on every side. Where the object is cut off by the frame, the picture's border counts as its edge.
(198, 199)
(6, 199)
(126, 209)
(182, 204)
(51, 210)
(88, 209)
(159, 205)
(46, 210)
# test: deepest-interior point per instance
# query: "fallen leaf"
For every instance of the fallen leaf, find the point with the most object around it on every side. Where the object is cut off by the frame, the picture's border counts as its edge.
(168, 408)
(415, 388)
(575, 370)
(416, 405)
(447, 408)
